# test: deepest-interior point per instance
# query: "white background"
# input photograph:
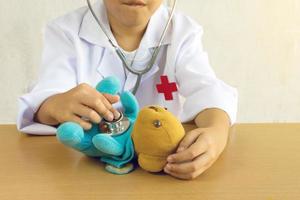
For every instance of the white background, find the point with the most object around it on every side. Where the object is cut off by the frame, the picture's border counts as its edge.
(254, 45)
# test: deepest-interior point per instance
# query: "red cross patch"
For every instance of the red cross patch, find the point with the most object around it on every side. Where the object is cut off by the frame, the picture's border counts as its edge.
(166, 88)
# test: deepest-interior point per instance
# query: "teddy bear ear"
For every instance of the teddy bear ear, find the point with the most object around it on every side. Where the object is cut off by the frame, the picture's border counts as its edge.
(109, 85)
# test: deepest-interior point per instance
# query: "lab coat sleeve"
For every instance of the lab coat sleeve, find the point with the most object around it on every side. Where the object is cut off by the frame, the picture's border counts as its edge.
(57, 75)
(198, 84)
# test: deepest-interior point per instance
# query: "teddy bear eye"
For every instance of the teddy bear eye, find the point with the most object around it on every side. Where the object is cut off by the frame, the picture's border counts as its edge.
(157, 123)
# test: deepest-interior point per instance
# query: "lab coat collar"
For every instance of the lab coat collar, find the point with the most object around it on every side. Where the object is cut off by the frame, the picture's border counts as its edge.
(91, 32)
(90, 29)
(110, 59)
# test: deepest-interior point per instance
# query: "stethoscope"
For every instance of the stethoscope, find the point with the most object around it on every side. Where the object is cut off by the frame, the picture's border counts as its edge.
(138, 73)
(116, 127)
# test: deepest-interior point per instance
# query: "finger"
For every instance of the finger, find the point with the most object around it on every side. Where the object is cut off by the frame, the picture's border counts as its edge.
(84, 124)
(188, 140)
(112, 98)
(180, 176)
(196, 149)
(188, 176)
(190, 167)
(96, 102)
(88, 113)
(105, 101)
(108, 100)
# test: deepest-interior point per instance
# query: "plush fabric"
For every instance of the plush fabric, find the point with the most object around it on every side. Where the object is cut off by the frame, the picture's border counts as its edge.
(156, 134)
(116, 151)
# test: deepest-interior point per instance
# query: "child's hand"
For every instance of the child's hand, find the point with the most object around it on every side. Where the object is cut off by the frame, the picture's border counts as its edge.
(81, 101)
(198, 150)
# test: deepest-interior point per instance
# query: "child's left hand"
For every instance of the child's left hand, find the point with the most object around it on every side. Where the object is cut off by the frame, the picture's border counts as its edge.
(198, 150)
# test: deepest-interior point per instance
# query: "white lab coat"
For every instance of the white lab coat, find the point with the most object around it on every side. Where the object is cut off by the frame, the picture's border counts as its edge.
(77, 51)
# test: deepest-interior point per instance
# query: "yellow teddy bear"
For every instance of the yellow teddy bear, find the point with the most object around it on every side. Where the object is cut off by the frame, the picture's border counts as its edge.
(156, 134)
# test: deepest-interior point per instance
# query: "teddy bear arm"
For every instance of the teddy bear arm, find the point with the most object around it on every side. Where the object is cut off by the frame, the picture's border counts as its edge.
(73, 135)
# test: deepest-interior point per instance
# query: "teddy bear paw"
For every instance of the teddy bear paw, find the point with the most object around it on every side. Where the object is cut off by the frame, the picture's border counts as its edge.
(107, 144)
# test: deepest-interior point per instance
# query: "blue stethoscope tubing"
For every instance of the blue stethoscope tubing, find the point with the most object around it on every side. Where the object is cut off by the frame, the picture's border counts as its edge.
(138, 73)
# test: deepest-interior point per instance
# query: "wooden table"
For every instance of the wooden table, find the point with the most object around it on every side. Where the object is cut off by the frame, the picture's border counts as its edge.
(261, 162)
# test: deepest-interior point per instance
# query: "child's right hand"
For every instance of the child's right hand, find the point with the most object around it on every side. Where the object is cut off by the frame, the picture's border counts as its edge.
(82, 104)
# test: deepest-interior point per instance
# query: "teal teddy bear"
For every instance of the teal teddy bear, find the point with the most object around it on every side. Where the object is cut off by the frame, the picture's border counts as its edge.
(116, 150)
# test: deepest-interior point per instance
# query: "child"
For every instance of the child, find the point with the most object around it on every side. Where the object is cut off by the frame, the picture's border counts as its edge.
(77, 56)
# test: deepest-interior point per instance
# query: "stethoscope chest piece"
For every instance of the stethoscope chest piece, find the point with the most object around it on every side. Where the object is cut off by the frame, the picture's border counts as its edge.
(116, 127)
